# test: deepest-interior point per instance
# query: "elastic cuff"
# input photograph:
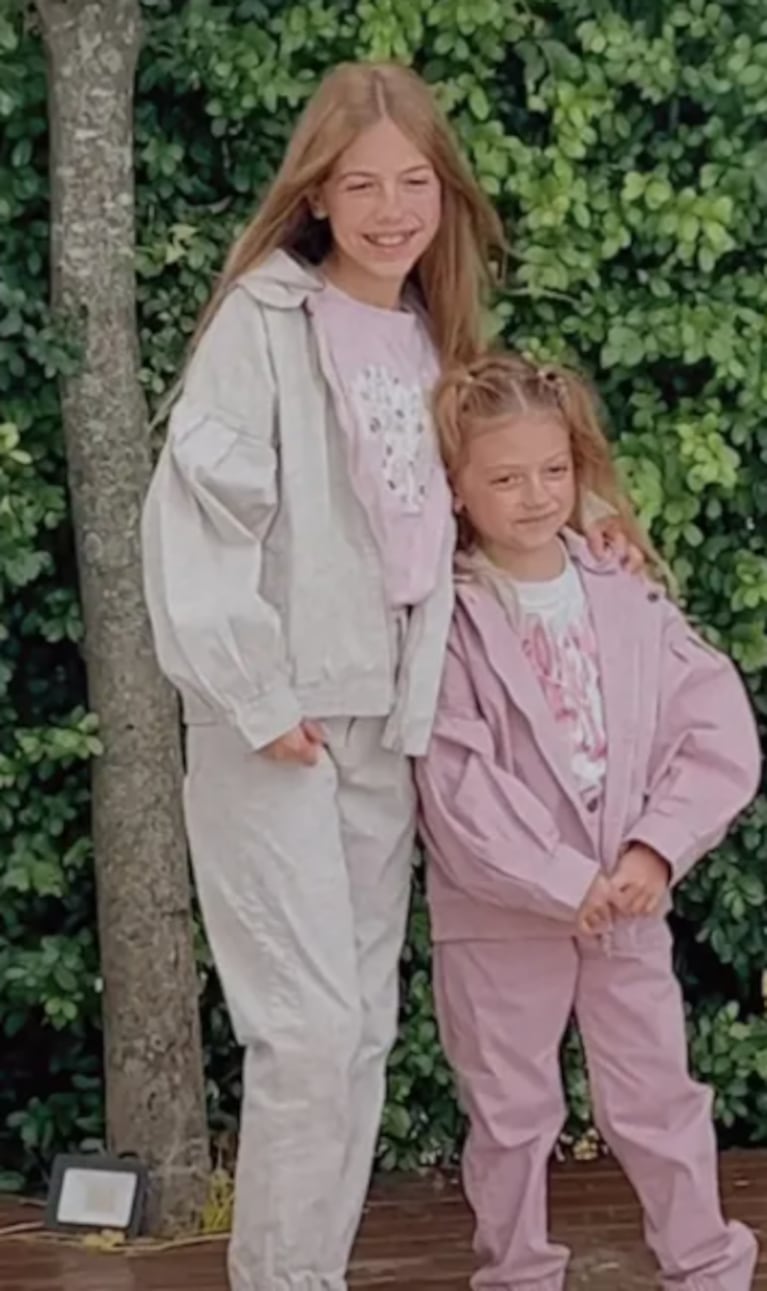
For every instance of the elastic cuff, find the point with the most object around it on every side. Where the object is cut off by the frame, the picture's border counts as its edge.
(572, 877)
(734, 1269)
(273, 714)
(678, 847)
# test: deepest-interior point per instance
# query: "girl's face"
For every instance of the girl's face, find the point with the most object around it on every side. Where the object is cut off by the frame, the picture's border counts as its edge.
(517, 485)
(383, 201)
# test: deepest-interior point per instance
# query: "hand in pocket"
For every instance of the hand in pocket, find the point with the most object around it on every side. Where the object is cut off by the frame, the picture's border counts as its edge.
(301, 745)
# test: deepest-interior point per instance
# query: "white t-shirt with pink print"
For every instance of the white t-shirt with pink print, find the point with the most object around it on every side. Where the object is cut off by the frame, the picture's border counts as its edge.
(382, 365)
(560, 644)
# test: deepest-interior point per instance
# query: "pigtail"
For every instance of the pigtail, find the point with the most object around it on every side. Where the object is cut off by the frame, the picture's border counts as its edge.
(596, 469)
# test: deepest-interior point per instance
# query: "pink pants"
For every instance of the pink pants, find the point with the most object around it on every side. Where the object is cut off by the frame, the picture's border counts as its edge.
(503, 1008)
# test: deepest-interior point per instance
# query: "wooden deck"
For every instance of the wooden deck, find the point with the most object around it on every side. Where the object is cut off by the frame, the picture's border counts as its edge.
(416, 1237)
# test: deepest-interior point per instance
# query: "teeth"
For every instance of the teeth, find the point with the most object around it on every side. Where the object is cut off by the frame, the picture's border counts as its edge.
(389, 240)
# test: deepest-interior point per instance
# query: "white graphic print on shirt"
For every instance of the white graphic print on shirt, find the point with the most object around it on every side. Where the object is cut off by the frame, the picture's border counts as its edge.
(560, 644)
(394, 414)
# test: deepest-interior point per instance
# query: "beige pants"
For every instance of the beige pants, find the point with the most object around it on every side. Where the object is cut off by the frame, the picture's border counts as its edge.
(303, 875)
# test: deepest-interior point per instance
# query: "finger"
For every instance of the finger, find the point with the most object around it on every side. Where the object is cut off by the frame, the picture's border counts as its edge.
(616, 896)
(638, 903)
(635, 560)
(598, 541)
(584, 922)
(622, 897)
(630, 894)
(314, 732)
(619, 547)
(643, 902)
(597, 927)
(627, 883)
(300, 750)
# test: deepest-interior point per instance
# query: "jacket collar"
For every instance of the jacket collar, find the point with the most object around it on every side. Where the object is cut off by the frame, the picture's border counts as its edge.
(577, 548)
(610, 594)
(281, 281)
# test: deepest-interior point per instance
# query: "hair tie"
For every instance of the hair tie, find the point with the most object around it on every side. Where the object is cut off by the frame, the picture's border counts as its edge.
(553, 380)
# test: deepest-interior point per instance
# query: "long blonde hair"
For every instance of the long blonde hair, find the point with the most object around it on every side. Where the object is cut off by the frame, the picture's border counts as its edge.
(456, 269)
(497, 385)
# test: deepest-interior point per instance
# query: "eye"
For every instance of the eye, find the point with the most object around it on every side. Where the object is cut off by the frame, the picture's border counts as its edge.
(361, 186)
(420, 181)
(557, 472)
(509, 480)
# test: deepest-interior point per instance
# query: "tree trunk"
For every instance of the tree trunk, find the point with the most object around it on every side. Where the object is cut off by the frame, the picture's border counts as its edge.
(153, 1062)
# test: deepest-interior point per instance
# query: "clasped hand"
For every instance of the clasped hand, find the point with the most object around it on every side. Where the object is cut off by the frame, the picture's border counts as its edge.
(637, 887)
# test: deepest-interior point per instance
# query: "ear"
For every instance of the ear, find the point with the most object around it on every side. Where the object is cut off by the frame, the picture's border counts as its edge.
(317, 205)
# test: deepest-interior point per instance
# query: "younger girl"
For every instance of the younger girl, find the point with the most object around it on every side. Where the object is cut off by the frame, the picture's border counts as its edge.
(298, 545)
(589, 748)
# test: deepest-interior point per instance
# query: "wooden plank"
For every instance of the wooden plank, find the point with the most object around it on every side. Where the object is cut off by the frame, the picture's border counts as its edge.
(416, 1237)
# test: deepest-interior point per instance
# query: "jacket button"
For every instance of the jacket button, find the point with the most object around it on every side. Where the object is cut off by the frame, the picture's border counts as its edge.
(653, 596)
(592, 806)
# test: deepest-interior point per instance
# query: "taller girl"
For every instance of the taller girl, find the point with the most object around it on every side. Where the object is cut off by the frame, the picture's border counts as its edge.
(298, 545)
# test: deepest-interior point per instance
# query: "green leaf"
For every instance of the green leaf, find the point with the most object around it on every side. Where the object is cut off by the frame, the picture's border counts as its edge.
(479, 104)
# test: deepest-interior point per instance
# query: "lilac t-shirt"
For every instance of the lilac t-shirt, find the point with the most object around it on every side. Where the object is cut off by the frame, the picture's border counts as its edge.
(382, 366)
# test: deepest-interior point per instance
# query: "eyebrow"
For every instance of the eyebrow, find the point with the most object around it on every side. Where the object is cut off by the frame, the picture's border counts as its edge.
(520, 466)
(374, 174)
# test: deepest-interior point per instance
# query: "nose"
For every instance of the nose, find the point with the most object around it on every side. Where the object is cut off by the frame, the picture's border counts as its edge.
(535, 495)
(390, 202)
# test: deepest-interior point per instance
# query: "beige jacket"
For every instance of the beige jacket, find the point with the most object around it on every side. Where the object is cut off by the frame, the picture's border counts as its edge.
(262, 580)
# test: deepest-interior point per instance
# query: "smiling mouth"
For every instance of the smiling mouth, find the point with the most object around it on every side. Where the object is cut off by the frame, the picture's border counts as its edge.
(389, 241)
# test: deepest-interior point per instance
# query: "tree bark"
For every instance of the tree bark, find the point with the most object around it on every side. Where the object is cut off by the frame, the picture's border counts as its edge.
(153, 1063)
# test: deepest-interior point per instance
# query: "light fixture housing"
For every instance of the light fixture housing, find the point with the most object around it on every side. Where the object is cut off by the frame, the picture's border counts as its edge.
(96, 1191)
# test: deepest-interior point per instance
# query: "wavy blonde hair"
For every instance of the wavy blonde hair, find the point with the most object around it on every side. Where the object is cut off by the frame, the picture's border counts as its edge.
(470, 397)
(453, 274)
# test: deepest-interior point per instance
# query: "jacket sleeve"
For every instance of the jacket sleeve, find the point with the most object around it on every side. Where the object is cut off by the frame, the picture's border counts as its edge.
(488, 833)
(705, 764)
(209, 506)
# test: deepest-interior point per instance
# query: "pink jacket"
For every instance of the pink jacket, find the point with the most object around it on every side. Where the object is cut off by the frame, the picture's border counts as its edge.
(513, 849)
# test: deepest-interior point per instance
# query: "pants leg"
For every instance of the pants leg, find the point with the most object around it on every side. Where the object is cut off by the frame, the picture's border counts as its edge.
(503, 1008)
(654, 1117)
(272, 879)
(304, 877)
(376, 802)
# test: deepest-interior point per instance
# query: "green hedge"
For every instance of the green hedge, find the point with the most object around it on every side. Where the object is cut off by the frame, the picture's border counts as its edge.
(625, 146)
